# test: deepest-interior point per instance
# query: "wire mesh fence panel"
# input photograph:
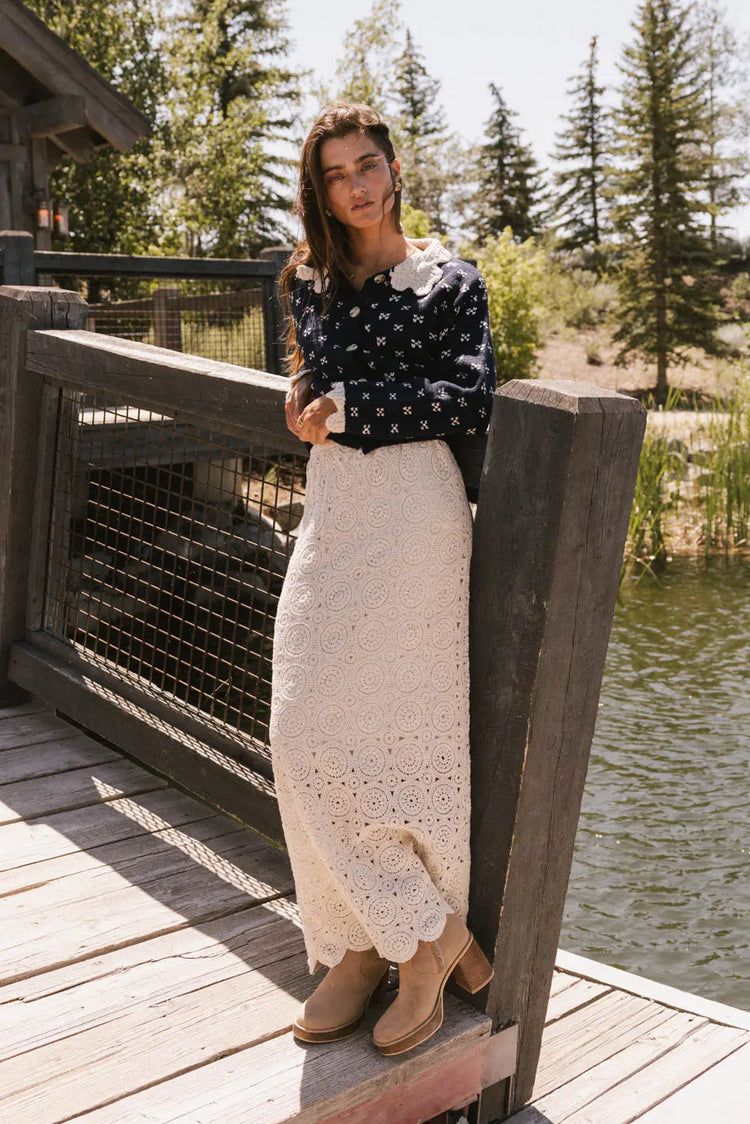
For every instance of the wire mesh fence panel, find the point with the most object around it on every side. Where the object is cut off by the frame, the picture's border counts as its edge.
(216, 319)
(168, 548)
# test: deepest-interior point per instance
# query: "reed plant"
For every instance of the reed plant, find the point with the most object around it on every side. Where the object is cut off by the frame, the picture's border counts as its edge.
(704, 489)
(724, 482)
(661, 471)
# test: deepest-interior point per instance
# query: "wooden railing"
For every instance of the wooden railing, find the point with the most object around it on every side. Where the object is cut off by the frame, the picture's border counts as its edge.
(553, 483)
(21, 264)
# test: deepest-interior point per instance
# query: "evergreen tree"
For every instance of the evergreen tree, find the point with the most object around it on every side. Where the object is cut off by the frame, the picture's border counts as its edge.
(233, 105)
(418, 125)
(580, 148)
(509, 185)
(666, 294)
(421, 132)
(366, 70)
(718, 49)
(113, 199)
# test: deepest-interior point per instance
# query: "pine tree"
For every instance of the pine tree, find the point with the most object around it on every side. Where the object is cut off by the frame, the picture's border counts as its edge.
(718, 49)
(666, 294)
(233, 105)
(580, 148)
(509, 186)
(366, 70)
(421, 138)
(114, 198)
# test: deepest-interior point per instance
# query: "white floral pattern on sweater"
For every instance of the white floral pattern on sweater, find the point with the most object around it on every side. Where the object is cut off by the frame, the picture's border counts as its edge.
(407, 357)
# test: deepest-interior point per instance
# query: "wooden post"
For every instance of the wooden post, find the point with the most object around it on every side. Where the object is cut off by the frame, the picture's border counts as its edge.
(16, 258)
(22, 308)
(273, 316)
(552, 517)
(167, 318)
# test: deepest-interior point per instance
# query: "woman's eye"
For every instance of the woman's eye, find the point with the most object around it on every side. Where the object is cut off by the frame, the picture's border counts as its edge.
(371, 164)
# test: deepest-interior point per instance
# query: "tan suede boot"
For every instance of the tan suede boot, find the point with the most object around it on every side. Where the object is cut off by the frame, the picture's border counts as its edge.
(417, 1012)
(338, 1004)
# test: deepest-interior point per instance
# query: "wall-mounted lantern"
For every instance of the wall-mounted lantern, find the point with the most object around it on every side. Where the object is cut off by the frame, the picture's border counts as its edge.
(62, 225)
(43, 214)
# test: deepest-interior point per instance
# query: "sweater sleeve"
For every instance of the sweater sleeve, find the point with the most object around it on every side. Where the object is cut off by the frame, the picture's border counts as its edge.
(456, 398)
(336, 421)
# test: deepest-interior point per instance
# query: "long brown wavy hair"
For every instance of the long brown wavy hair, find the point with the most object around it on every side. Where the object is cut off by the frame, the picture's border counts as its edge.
(326, 246)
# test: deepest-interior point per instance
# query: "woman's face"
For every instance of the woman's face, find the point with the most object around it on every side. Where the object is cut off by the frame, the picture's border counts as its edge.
(357, 178)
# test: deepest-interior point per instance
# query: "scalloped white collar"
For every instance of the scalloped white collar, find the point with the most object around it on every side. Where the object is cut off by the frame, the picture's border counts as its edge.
(419, 271)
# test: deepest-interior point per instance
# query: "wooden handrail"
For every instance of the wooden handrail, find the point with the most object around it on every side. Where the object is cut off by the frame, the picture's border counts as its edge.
(141, 265)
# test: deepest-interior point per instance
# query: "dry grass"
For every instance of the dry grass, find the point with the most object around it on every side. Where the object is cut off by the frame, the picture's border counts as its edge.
(564, 357)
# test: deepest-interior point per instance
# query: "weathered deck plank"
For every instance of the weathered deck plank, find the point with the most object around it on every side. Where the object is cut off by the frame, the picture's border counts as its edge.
(21, 710)
(101, 989)
(718, 1094)
(656, 1038)
(141, 861)
(185, 881)
(637, 1092)
(30, 841)
(30, 727)
(153, 962)
(48, 758)
(589, 1035)
(580, 994)
(278, 1080)
(153, 1042)
(41, 796)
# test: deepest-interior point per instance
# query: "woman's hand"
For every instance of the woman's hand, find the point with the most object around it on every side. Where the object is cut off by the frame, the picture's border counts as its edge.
(311, 426)
(297, 398)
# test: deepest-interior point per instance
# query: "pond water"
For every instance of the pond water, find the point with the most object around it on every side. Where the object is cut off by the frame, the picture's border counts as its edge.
(660, 883)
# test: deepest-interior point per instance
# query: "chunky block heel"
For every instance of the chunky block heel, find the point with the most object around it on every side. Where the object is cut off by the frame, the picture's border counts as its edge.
(473, 971)
(417, 1012)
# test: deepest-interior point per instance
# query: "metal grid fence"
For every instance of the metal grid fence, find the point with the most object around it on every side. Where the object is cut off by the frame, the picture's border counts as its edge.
(168, 548)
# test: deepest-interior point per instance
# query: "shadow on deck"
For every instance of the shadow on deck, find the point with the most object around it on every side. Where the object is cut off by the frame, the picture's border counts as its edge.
(153, 960)
(153, 963)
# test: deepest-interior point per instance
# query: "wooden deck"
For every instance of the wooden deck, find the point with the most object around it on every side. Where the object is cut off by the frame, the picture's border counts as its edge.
(152, 962)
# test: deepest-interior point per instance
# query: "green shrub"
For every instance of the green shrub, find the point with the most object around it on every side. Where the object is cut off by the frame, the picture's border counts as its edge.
(416, 223)
(739, 288)
(515, 277)
(593, 354)
(575, 298)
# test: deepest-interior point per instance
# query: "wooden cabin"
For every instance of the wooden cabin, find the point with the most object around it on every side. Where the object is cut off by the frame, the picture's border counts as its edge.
(53, 104)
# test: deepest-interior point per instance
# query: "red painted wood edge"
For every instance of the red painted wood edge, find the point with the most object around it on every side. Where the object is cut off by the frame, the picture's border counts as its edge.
(451, 1084)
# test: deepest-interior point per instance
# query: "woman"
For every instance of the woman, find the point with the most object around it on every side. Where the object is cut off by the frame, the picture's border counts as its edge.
(369, 731)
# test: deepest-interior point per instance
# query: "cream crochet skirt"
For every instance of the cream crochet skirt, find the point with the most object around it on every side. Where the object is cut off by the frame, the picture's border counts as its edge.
(369, 726)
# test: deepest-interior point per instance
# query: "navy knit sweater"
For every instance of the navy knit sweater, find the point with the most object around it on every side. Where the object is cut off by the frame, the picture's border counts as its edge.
(407, 357)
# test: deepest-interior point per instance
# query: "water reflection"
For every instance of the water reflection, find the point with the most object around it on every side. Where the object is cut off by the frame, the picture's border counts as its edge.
(660, 875)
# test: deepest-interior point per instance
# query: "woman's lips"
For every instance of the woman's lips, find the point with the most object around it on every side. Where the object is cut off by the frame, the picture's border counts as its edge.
(362, 206)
